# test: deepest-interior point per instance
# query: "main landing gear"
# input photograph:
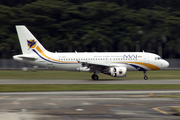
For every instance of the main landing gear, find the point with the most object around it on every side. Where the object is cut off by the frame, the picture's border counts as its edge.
(145, 77)
(94, 77)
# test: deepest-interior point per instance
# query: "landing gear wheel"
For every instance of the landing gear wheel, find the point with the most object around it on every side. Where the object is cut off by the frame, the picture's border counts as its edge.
(94, 77)
(145, 77)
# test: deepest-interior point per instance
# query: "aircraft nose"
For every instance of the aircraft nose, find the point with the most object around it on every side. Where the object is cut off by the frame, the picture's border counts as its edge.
(166, 64)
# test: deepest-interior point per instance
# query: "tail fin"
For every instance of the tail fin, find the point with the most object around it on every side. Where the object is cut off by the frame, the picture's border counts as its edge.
(27, 40)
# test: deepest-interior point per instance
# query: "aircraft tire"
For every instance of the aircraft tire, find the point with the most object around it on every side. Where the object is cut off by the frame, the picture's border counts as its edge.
(94, 77)
(145, 78)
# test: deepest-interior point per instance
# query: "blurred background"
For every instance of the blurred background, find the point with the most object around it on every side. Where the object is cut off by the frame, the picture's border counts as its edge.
(93, 25)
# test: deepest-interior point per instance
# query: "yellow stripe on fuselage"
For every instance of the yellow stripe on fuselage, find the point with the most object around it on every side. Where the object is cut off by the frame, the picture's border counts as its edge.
(151, 66)
(42, 53)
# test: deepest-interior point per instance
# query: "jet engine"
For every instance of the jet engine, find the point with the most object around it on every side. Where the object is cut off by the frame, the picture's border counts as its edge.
(118, 71)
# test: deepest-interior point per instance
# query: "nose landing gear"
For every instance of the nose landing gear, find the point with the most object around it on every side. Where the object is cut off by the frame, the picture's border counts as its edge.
(145, 76)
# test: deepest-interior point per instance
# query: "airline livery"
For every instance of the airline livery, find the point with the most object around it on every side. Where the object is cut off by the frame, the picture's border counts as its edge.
(115, 64)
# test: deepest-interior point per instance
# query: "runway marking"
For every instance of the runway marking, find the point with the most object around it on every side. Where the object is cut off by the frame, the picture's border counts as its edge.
(163, 112)
(158, 109)
(87, 103)
(4, 97)
(50, 103)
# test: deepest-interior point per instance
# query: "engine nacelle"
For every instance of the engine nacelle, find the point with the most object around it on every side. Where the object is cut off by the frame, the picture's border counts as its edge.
(83, 69)
(118, 71)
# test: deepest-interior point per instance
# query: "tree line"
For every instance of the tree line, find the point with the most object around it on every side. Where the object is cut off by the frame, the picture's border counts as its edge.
(93, 25)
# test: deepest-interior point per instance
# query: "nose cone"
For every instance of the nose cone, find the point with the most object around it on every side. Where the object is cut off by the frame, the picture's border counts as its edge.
(166, 64)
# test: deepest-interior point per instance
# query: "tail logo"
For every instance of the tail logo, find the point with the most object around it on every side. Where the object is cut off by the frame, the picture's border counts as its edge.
(31, 43)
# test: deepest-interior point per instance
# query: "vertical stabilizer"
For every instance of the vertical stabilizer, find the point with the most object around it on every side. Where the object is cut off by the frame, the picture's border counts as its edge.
(27, 40)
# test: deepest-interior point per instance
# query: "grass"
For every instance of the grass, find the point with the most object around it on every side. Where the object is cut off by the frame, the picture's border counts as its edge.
(77, 87)
(11, 74)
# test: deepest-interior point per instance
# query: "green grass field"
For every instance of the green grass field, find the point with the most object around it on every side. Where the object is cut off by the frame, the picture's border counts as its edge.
(83, 75)
(87, 76)
(77, 87)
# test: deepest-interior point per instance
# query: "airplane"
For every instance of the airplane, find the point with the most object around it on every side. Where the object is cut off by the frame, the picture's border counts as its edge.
(115, 64)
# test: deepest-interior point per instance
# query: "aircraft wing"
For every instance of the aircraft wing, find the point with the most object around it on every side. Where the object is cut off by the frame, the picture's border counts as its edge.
(94, 65)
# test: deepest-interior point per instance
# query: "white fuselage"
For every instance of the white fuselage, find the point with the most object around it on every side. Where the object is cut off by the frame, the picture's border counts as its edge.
(133, 61)
(115, 64)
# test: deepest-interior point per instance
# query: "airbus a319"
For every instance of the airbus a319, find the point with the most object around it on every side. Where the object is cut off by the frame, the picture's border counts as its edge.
(115, 64)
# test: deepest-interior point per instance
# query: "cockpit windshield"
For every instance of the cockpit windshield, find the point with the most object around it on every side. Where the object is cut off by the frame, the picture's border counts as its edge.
(158, 58)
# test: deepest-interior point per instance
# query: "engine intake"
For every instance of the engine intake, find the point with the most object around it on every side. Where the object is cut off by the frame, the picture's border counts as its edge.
(118, 71)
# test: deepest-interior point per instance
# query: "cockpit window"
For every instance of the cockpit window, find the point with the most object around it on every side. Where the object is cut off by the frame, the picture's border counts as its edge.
(158, 58)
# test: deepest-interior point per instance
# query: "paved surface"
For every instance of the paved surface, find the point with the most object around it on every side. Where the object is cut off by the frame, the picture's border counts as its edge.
(137, 92)
(14, 81)
(90, 105)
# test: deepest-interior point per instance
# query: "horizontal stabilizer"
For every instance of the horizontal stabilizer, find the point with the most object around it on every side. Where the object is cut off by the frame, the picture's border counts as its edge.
(16, 57)
(30, 58)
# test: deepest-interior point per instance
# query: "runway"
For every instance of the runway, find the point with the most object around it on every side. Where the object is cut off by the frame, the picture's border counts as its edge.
(87, 105)
(48, 81)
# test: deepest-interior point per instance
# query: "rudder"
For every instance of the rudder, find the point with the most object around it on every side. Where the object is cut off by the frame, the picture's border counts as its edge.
(27, 40)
